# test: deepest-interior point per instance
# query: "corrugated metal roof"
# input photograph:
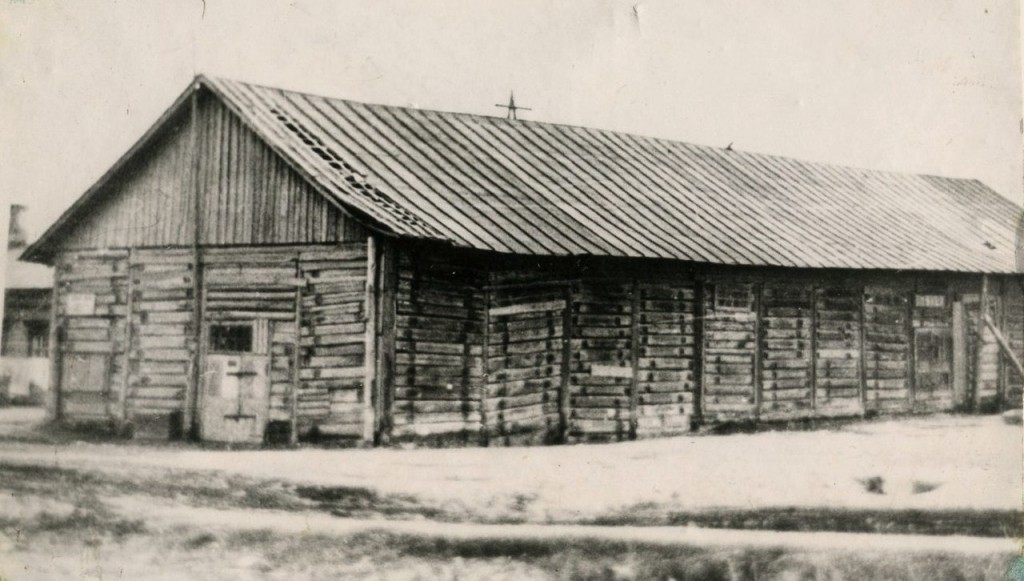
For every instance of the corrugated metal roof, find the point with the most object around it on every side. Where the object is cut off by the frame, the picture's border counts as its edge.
(544, 189)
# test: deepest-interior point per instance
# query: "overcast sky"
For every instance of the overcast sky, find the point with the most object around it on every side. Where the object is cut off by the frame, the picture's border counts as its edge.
(925, 86)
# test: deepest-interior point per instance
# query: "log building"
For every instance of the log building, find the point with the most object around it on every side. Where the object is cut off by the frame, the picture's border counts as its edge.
(269, 265)
(24, 366)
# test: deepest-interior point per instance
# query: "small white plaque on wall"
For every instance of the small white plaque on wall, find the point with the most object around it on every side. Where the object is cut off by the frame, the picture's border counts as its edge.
(80, 304)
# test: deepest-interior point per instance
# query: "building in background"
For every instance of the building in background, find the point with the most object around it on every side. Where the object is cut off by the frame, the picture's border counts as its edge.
(24, 372)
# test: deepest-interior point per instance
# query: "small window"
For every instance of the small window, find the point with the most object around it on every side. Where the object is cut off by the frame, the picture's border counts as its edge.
(733, 297)
(231, 338)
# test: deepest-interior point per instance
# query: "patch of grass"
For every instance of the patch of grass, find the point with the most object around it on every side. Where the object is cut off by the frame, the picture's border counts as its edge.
(981, 523)
(359, 502)
(90, 516)
(586, 560)
(198, 488)
(200, 540)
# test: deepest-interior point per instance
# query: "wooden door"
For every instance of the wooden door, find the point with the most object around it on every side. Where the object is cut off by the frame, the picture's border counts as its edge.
(85, 386)
(933, 365)
(933, 352)
(235, 394)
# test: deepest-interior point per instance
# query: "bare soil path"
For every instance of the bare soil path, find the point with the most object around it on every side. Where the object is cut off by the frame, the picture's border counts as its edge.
(101, 510)
(927, 463)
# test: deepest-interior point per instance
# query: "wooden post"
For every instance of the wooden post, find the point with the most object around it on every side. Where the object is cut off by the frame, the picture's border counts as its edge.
(125, 386)
(485, 435)
(293, 393)
(980, 347)
(911, 349)
(386, 344)
(564, 411)
(861, 352)
(699, 350)
(54, 347)
(758, 376)
(814, 348)
(190, 423)
(634, 360)
(370, 357)
(1001, 354)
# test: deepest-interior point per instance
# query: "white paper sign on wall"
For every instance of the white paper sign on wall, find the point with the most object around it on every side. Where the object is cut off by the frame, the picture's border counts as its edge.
(80, 304)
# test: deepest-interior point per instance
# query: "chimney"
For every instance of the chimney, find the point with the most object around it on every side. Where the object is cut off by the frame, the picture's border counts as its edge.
(16, 236)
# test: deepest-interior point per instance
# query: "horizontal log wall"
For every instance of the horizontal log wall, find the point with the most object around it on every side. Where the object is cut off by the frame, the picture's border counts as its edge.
(730, 351)
(91, 301)
(772, 348)
(525, 345)
(666, 382)
(152, 356)
(838, 353)
(1013, 329)
(601, 380)
(333, 341)
(787, 361)
(525, 356)
(439, 375)
(888, 341)
(163, 335)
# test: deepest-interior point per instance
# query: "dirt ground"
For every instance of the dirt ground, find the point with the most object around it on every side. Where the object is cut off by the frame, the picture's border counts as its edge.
(656, 509)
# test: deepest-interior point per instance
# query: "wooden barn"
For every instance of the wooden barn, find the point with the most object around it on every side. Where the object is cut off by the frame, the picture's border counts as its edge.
(266, 265)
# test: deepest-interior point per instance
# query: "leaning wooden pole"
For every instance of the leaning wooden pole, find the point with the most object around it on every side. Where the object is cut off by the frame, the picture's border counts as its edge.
(1004, 344)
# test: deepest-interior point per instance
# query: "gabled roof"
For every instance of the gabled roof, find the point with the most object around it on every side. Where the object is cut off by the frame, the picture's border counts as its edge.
(544, 189)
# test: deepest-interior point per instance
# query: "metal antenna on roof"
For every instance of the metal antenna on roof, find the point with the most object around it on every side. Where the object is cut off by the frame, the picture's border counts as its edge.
(512, 107)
